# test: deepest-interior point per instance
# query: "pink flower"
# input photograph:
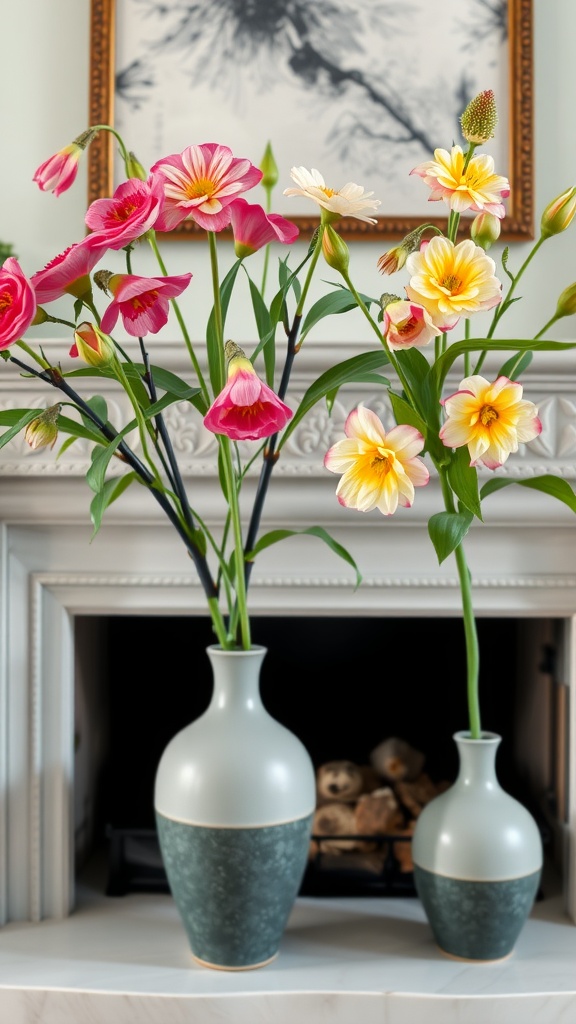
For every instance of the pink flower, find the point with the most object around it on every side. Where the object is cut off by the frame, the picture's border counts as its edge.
(67, 273)
(246, 409)
(407, 325)
(200, 184)
(142, 302)
(58, 173)
(131, 211)
(17, 302)
(253, 228)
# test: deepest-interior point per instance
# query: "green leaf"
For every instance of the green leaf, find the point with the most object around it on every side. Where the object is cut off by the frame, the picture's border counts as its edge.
(447, 530)
(516, 365)
(267, 539)
(442, 365)
(111, 490)
(340, 300)
(405, 413)
(265, 330)
(463, 480)
(416, 370)
(555, 486)
(19, 419)
(351, 370)
(99, 407)
(87, 430)
(101, 459)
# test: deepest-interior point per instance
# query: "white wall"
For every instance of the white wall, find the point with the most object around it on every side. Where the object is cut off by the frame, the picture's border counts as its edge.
(45, 105)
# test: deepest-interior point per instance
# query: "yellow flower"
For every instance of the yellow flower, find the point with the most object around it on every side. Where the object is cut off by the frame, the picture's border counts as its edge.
(477, 188)
(349, 201)
(491, 418)
(380, 470)
(451, 281)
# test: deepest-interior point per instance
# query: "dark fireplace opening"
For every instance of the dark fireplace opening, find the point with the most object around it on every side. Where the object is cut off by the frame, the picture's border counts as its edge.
(342, 685)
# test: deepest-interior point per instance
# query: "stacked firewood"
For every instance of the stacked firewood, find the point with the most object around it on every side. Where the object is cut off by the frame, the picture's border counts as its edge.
(382, 798)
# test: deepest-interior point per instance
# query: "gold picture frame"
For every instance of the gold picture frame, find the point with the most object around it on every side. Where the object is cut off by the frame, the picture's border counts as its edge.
(518, 225)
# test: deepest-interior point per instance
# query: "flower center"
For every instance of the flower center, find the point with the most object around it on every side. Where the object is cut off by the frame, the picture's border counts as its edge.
(407, 326)
(329, 192)
(124, 210)
(451, 282)
(6, 300)
(200, 187)
(141, 302)
(487, 415)
(381, 465)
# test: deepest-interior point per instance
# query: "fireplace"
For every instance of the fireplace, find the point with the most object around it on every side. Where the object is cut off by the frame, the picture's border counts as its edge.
(59, 586)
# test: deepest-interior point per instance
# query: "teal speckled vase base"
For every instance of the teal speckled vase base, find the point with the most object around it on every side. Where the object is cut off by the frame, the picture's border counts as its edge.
(476, 920)
(234, 887)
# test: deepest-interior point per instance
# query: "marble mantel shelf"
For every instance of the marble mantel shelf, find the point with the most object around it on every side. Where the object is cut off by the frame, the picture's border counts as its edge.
(126, 961)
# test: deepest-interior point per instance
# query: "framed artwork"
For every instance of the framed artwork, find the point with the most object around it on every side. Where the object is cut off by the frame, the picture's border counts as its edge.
(362, 91)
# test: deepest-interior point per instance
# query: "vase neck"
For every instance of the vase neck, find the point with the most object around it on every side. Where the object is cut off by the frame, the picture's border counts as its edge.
(477, 760)
(236, 678)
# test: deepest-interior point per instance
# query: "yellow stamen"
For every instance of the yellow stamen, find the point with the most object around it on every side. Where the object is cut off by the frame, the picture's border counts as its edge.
(6, 300)
(380, 465)
(329, 192)
(487, 415)
(452, 283)
(200, 187)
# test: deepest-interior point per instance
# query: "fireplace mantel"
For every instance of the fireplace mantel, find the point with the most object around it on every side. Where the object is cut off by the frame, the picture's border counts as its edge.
(523, 562)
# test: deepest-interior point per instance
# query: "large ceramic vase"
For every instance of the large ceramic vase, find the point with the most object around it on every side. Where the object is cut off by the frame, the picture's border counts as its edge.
(234, 800)
(477, 856)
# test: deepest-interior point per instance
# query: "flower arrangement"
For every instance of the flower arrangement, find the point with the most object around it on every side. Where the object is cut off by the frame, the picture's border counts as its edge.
(243, 396)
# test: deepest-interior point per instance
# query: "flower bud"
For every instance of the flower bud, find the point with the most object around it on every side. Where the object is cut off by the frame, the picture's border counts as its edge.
(559, 213)
(480, 118)
(134, 168)
(336, 252)
(269, 169)
(43, 430)
(386, 298)
(567, 302)
(395, 258)
(102, 279)
(485, 230)
(92, 345)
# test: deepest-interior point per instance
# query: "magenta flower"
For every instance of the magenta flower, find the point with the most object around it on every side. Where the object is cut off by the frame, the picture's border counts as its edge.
(253, 228)
(142, 302)
(59, 172)
(131, 211)
(68, 273)
(200, 184)
(246, 409)
(17, 302)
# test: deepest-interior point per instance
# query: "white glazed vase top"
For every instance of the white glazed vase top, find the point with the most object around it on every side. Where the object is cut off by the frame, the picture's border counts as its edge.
(452, 837)
(266, 776)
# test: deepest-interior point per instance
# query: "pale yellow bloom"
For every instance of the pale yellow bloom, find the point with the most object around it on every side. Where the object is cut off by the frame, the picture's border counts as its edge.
(491, 418)
(451, 281)
(477, 188)
(349, 201)
(380, 470)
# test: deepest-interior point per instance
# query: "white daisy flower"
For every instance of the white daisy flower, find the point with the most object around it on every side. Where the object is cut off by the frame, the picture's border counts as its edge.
(349, 201)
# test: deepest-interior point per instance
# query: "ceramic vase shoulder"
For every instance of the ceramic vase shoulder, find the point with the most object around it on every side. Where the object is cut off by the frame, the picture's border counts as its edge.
(477, 856)
(234, 799)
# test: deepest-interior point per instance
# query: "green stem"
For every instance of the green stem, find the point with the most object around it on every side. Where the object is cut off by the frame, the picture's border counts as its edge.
(143, 427)
(219, 378)
(391, 356)
(469, 619)
(501, 309)
(181, 322)
(240, 581)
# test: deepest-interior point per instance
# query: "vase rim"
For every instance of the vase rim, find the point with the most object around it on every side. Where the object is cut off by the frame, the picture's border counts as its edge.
(255, 649)
(463, 736)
